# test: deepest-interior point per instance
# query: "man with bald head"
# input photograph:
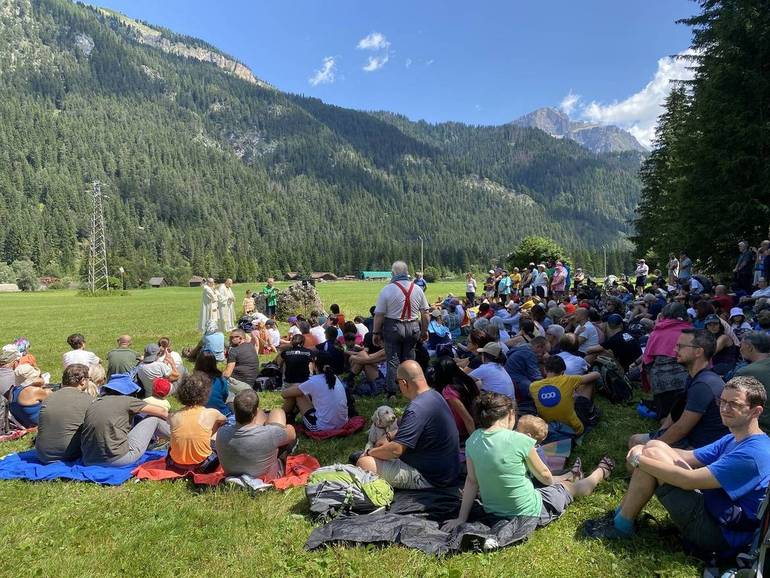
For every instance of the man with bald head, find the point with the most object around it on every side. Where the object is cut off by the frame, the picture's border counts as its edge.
(425, 452)
(122, 359)
(721, 296)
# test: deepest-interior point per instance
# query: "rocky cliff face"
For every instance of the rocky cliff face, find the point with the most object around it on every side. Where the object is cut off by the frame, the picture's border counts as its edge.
(152, 37)
(604, 139)
(595, 137)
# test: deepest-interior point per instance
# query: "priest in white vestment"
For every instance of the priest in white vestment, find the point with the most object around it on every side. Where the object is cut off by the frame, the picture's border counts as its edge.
(226, 307)
(209, 305)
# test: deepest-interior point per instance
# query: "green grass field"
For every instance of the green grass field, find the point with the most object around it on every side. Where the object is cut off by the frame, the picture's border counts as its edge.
(166, 528)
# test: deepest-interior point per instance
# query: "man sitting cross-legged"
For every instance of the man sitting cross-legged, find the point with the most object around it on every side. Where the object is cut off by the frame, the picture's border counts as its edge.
(712, 493)
(62, 415)
(251, 445)
(555, 394)
(426, 450)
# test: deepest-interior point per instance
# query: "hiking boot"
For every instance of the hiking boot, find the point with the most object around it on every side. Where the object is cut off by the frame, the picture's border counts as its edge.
(603, 528)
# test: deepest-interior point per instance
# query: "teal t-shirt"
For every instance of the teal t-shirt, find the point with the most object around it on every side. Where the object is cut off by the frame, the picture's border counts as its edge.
(499, 460)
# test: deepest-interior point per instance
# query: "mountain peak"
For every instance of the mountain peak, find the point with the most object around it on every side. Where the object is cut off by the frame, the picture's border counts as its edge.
(593, 136)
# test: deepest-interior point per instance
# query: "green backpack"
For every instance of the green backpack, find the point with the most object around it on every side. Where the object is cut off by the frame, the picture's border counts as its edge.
(344, 489)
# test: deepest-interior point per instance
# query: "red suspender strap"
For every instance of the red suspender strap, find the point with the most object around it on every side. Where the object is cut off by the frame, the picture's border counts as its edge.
(406, 312)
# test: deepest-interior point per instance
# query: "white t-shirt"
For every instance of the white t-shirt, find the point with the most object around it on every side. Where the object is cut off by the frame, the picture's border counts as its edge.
(576, 365)
(175, 356)
(591, 335)
(540, 279)
(148, 372)
(331, 405)
(80, 356)
(319, 333)
(294, 330)
(362, 329)
(275, 336)
(470, 286)
(494, 378)
(390, 301)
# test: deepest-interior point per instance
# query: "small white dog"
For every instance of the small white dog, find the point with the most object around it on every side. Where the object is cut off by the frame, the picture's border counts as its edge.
(383, 422)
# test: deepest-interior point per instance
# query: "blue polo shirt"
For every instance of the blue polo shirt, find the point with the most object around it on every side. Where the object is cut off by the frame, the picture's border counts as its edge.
(743, 470)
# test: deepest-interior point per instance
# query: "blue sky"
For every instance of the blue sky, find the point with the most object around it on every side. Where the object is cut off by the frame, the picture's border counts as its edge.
(474, 62)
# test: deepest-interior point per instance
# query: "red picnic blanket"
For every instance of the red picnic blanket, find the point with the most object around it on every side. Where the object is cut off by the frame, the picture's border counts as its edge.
(16, 434)
(297, 470)
(351, 426)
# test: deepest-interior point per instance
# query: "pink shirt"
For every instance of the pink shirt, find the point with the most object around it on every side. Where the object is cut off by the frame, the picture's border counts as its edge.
(451, 393)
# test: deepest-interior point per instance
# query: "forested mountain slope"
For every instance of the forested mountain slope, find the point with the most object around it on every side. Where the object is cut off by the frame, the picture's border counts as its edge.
(210, 170)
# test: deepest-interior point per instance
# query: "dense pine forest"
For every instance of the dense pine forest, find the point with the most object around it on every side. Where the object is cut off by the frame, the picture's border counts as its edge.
(707, 181)
(208, 173)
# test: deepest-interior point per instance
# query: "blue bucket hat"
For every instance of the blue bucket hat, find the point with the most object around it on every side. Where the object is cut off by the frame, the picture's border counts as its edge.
(121, 383)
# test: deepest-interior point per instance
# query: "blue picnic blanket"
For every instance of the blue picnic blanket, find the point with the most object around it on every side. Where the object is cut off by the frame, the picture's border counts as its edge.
(26, 466)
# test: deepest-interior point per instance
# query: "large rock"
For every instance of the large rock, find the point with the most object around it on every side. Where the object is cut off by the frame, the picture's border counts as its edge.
(299, 299)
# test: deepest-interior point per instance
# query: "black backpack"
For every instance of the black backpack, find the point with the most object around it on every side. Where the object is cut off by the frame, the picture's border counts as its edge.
(614, 385)
(270, 378)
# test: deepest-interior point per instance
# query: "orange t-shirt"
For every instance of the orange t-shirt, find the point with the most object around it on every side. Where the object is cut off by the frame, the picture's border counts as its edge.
(310, 340)
(191, 431)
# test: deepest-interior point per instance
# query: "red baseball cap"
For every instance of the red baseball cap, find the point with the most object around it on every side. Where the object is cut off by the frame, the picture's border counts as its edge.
(161, 387)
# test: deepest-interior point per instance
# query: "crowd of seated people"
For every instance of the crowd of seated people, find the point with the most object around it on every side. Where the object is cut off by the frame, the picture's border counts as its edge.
(498, 374)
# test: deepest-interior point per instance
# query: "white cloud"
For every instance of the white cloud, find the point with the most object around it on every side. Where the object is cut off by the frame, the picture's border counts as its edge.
(376, 42)
(638, 113)
(326, 74)
(373, 41)
(376, 62)
(408, 62)
(429, 62)
(569, 102)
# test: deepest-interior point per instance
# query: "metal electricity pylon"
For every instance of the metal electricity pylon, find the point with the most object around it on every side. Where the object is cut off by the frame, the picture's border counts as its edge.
(98, 277)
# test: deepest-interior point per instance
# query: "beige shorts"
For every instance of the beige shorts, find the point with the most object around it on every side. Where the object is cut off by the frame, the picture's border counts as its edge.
(400, 475)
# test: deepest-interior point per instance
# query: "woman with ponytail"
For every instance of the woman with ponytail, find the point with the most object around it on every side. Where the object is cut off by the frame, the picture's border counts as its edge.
(321, 400)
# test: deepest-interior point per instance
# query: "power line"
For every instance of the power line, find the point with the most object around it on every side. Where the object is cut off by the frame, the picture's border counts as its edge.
(98, 277)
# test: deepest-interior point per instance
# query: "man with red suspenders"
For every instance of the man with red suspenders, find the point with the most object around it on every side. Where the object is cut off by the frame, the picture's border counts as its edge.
(400, 321)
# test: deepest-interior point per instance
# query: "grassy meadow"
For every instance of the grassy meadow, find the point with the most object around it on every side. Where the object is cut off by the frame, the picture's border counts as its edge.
(167, 528)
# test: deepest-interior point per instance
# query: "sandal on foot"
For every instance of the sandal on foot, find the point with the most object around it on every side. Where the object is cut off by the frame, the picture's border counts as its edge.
(577, 470)
(607, 465)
